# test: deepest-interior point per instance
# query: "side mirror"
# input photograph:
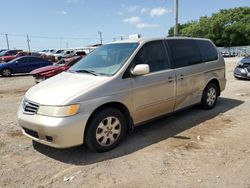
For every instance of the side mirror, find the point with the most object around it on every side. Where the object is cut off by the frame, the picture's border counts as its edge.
(140, 69)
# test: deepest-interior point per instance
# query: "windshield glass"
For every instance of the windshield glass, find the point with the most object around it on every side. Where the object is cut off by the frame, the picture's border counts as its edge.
(59, 51)
(2, 53)
(107, 59)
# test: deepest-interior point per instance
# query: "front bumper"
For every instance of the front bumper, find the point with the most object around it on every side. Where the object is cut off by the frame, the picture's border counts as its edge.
(241, 73)
(55, 132)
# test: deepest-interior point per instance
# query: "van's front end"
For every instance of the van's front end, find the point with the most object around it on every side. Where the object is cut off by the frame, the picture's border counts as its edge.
(49, 113)
(55, 112)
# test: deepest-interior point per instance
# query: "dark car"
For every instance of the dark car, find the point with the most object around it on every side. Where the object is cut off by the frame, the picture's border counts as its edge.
(22, 65)
(242, 70)
(49, 71)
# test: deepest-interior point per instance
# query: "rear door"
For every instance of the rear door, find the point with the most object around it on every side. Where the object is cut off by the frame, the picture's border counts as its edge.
(36, 63)
(154, 93)
(186, 60)
(27, 64)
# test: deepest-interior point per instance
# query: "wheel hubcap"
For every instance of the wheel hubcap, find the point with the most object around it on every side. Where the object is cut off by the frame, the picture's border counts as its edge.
(211, 96)
(108, 131)
(6, 72)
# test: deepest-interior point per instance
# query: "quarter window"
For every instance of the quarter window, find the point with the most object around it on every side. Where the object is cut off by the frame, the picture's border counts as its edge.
(154, 54)
(207, 50)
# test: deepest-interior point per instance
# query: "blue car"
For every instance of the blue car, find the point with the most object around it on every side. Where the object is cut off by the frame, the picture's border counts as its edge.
(23, 64)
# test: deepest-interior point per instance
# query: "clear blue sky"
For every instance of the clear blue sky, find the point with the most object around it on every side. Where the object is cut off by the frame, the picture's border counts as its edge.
(53, 23)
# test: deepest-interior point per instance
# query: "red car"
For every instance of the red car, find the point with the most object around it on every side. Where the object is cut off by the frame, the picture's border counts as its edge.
(49, 71)
(9, 55)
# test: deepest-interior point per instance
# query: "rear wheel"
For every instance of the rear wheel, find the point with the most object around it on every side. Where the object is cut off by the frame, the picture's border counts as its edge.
(209, 96)
(6, 72)
(105, 130)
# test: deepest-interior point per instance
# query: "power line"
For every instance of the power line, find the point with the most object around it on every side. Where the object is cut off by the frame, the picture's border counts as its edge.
(58, 38)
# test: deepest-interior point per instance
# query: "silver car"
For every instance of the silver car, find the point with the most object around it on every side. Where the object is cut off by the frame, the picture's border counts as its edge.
(119, 86)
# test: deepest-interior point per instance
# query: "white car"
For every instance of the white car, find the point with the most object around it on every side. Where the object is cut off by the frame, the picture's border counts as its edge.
(63, 53)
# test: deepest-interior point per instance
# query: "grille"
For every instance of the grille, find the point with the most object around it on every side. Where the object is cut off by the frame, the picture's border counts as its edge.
(30, 107)
(31, 133)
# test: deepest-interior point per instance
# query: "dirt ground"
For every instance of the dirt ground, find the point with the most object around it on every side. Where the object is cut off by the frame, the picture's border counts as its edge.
(193, 148)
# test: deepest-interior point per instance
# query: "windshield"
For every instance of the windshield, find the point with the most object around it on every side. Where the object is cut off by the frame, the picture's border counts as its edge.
(2, 53)
(107, 59)
(59, 51)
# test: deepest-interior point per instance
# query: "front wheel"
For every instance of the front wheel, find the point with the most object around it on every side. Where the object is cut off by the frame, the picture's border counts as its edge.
(209, 96)
(105, 130)
(6, 72)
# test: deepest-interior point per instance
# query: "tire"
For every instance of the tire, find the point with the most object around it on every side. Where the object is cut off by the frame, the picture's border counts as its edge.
(6, 72)
(100, 135)
(210, 96)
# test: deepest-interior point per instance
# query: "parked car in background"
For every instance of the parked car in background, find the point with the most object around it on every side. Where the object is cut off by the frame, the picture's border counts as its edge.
(47, 52)
(6, 55)
(121, 85)
(11, 57)
(43, 73)
(64, 54)
(22, 65)
(242, 70)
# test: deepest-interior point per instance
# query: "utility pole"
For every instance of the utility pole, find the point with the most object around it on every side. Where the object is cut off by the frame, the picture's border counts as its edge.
(176, 18)
(7, 41)
(28, 42)
(60, 43)
(100, 33)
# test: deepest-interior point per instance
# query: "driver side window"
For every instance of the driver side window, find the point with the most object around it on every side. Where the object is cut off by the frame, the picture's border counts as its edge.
(154, 54)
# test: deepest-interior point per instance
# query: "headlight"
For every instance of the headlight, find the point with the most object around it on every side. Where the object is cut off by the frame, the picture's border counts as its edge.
(58, 111)
(243, 71)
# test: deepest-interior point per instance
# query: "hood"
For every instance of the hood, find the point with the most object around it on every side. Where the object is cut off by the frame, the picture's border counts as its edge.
(245, 60)
(45, 69)
(60, 88)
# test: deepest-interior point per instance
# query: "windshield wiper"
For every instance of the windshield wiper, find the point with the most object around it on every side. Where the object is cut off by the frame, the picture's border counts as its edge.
(87, 71)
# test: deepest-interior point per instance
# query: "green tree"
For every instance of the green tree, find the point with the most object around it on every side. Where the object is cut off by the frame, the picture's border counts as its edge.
(228, 27)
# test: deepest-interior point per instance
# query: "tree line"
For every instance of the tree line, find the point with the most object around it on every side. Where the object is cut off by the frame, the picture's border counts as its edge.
(228, 27)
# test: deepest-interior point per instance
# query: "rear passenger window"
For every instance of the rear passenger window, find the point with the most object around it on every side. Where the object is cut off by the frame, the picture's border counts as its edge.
(154, 54)
(184, 52)
(208, 51)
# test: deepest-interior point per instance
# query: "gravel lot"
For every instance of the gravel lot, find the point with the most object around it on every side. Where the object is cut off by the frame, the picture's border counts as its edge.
(193, 148)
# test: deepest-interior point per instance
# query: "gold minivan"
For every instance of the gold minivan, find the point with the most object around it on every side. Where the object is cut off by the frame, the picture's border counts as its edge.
(121, 85)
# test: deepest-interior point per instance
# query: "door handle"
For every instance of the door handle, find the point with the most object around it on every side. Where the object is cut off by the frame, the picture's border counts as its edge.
(170, 79)
(181, 77)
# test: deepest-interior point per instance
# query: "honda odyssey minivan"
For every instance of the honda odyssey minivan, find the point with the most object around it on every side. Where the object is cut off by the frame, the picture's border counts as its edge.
(119, 86)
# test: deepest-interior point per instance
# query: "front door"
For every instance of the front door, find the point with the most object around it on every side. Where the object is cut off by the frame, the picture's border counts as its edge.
(154, 93)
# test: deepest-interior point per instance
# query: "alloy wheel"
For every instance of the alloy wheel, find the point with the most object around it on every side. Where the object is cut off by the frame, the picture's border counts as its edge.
(211, 96)
(108, 131)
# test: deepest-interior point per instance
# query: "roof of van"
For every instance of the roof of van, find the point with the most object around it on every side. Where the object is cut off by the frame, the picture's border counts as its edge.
(141, 40)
